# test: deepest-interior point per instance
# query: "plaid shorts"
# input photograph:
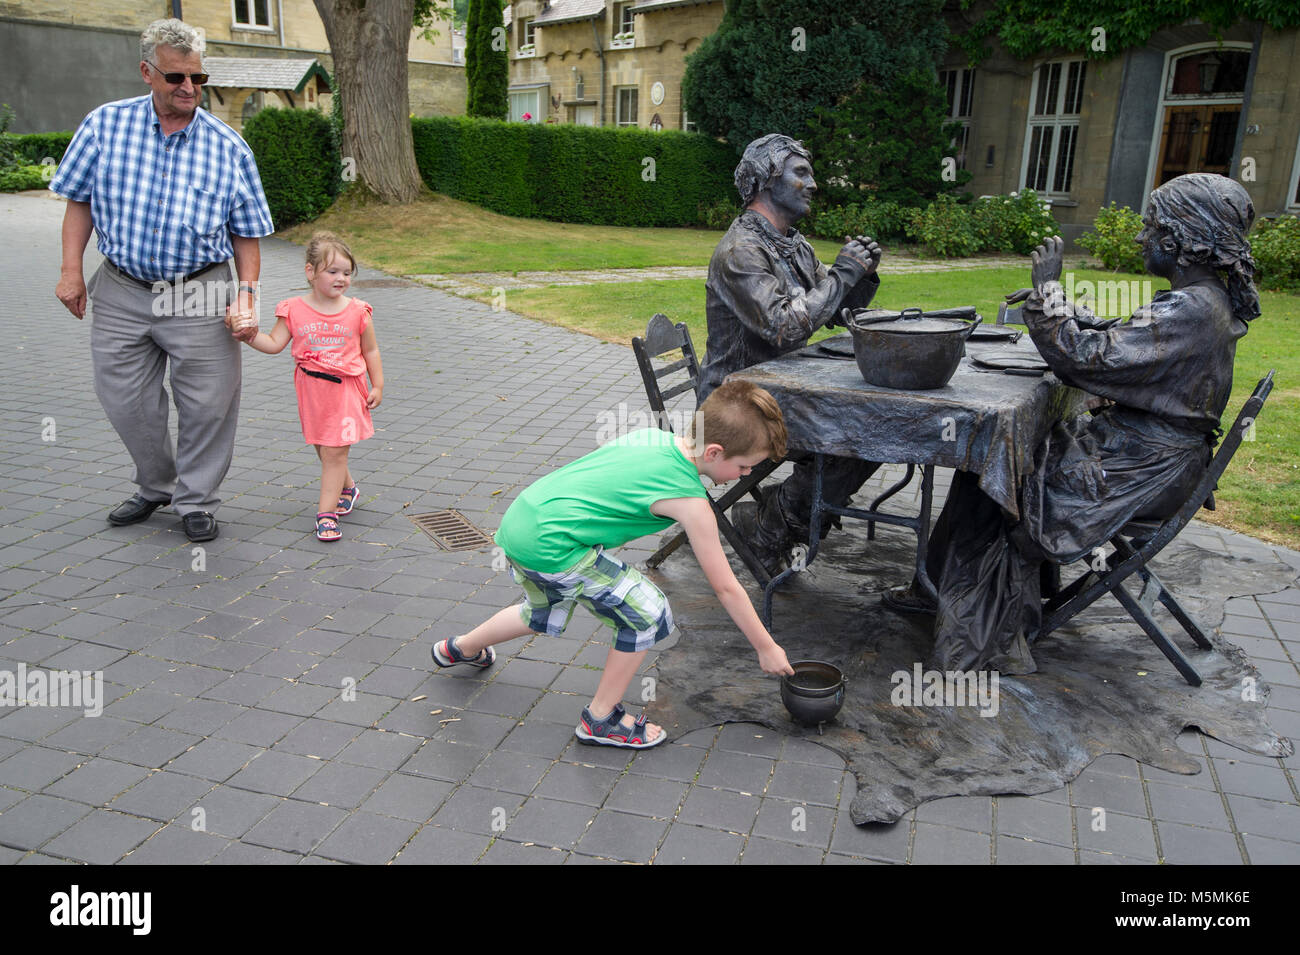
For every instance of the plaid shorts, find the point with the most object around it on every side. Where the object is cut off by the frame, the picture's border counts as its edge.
(619, 595)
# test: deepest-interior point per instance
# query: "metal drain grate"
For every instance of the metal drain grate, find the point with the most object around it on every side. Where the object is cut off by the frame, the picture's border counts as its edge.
(451, 531)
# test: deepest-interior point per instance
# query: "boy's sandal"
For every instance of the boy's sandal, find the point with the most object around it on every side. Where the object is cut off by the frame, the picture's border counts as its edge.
(611, 732)
(347, 500)
(327, 527)
(445, 654)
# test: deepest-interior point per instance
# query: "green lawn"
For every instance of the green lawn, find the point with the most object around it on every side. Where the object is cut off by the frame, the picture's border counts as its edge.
(1260, 494)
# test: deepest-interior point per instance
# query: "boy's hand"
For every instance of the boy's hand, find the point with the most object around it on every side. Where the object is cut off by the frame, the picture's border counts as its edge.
(773, 660)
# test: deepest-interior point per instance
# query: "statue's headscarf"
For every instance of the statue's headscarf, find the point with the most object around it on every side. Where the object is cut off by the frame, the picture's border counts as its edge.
(1210, 217)
(763, 161)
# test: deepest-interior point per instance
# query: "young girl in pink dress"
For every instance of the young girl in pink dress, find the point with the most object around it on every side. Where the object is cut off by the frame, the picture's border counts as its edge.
(334, 348)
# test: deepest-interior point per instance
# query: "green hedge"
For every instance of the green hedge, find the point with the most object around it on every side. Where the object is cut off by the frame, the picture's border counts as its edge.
(600, 175)
(18, 178)
(1275, 245)
(31, 148)
(297, 161)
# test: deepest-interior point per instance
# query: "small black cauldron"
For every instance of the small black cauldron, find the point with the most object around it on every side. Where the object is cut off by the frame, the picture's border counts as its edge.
(815, 693)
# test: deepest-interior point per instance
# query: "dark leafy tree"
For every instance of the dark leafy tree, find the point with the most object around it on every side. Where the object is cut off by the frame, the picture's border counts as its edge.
(891, 143)
(772, 63)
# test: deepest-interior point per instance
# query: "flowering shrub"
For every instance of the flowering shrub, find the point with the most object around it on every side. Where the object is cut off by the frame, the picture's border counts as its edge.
(1116, 228)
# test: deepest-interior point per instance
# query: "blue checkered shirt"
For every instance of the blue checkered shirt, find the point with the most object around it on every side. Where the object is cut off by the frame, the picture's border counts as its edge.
(163, 206)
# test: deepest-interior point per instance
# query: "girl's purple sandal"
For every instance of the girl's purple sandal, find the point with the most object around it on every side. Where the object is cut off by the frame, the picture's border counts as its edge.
(347, 500)
(445, 654)
(611, 732)
(327, 527)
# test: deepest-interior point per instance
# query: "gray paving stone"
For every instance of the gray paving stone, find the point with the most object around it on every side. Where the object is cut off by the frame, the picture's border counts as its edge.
(161, 796)
(1253, 779)
(511, 772)
(736, 771)
(1032, 818)
(38, 819)
(719, 809)
(367, 839)
(539, 738)
(275, 773)
(102, 837)
(672, 760)
(477, 729)
(573, 782)
(962, 812)
(482, 811)
(794, 822)
(1264, 851)
(340, 784)
(1198, 807)
(414, 798)
(35, 768)
(1193, 845)
(618, 835)
(202, 717)
(228, 812)
(1266, 817)
(380, 749)
(258, 727)
(503, 852)
(944, 845)
(443, 759)
(1013, 850)
(1130, 836)
(295, 827)
(549, 822)
(151, 747)
(96, 781)
(238, 854)
(691, 845)
(435, 846)
(214, 759)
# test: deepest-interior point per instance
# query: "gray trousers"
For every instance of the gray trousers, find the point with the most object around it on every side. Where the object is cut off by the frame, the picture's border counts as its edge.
(134, 334)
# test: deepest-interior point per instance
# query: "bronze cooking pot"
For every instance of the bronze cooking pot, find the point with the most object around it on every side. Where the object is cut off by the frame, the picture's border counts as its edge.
(911, 350)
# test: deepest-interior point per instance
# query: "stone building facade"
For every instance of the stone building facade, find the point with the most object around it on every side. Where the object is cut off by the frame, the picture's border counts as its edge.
(103, 40)
(601, 63)
(1085, 133)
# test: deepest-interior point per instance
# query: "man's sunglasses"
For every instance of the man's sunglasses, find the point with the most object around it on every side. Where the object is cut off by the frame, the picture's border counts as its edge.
(176, 79)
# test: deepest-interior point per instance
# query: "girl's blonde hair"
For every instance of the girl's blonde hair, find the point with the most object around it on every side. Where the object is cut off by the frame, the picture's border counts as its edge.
(324, 246)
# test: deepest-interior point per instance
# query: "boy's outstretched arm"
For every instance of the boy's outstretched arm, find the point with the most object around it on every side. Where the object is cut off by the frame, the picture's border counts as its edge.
(696, 517)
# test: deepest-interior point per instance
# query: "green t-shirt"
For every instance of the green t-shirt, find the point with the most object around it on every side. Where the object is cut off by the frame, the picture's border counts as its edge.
(602, 499)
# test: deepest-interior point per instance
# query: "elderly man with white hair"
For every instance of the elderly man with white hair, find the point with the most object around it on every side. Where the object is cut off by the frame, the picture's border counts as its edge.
(766, 294)
(172, 193)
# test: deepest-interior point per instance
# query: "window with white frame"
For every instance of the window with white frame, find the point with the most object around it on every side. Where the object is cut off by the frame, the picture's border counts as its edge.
(626, 109)
(624, 25)
(525, 106)
(688, 124)
(527, 37)
(1052, 136)
(253, 13)
(959, 86)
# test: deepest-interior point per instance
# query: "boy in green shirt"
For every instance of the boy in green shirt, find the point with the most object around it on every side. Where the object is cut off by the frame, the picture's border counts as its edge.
(556, 533)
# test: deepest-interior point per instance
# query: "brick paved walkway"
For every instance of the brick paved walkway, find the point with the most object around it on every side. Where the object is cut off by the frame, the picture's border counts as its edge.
(230, 732)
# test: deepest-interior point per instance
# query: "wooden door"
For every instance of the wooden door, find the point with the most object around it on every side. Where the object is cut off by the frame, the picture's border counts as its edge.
(1198, 139)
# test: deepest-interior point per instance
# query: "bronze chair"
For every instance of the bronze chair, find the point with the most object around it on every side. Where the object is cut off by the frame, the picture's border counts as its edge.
(663, 337)
(1138, 541)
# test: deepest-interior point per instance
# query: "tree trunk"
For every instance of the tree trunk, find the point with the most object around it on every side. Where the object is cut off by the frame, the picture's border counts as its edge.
(369, 42)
